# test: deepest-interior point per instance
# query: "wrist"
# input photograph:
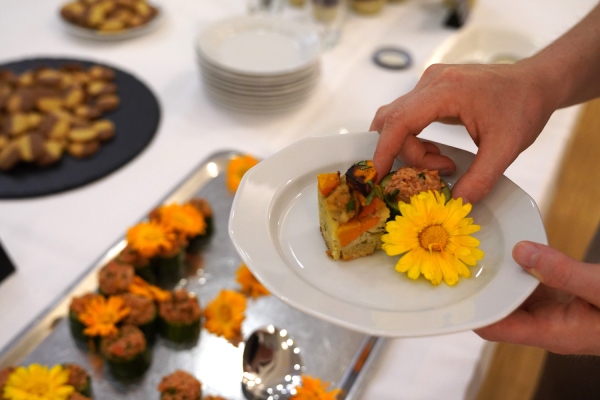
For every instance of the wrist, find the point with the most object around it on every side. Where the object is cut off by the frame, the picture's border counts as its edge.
(546, 82)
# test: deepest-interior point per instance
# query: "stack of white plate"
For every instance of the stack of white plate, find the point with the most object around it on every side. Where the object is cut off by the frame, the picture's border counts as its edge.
(259, 63)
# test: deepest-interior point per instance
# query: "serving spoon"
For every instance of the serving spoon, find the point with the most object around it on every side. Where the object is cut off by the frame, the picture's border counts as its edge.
(272, 365)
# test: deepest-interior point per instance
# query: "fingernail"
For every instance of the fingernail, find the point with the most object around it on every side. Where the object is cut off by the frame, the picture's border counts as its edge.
(526, 254)
(445, 171)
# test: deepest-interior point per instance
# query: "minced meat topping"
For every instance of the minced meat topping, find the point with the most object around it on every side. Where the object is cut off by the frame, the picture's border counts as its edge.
(179, 386)
(202, 206)
(115, 278)
(78, 377)
(78, 396)
(411, 180)
(142, 309)
(132, 257)
(125, 344)
(182, 308)
(4, 374)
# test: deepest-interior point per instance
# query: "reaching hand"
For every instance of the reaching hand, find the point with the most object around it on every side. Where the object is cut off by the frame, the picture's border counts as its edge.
(503, 107)
(563, 314)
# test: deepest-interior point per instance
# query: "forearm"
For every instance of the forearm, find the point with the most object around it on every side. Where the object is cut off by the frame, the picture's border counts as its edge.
(569, 68)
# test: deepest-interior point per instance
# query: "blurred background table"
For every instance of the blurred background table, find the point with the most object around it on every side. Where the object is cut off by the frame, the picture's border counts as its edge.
(54, 239)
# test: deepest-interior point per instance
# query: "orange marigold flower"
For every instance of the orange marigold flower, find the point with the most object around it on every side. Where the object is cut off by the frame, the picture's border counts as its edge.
(101, 315)
(224, 315)
(236, 169)
(313, 389)
(151, 239)
(250, 285)
(142, 288)
(185, 219)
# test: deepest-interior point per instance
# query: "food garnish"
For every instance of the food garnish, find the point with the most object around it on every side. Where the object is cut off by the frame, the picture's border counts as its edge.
(224, 315)
(185, 220)
(434, 237)
(151, 239)
(250, 285)
(142, 288)
(236, 169)
(38, 382)
(314, 389)
(102, 315)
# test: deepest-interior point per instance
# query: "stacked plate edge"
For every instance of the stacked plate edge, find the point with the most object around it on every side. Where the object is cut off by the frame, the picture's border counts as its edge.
(259, 63)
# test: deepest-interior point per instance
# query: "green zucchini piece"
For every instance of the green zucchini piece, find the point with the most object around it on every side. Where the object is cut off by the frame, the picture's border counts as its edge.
(150, 328)
(390, 202)
(131, 368)
(199, 241)
(77, 327)
(446, 191)
(178, 332)
(146, 272)
(169, 270)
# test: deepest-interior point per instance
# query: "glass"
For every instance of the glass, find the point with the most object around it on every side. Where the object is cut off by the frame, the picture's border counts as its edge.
(367, 7)
(329, 17)
(265, 6)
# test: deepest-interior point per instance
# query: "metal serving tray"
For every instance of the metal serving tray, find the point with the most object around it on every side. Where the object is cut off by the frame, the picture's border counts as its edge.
(328, 351)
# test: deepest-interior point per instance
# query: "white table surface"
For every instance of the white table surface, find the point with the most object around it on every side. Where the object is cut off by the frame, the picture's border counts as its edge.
(54, 239)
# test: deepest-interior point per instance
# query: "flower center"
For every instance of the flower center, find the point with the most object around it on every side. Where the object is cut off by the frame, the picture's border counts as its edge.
(433, 238)
(39, 388)
(153, 235)
(225, 313)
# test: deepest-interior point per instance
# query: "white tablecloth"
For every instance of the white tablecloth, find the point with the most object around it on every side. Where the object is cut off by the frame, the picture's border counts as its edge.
(54, 239)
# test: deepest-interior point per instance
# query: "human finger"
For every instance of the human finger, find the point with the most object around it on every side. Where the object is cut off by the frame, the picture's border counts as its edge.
(488, 166)
(559, 271)
(408, 117)
(416, 153)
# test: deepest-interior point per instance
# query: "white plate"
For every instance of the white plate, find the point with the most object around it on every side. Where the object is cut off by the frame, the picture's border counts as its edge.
(259, 95)
(255, 103)
(88, 33)
(478, 44)
(259, 45)
(274, 225)
(274, 80)
(260, 90)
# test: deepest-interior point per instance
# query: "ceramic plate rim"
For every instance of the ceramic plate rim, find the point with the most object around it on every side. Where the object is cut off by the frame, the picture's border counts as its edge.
(258, 195)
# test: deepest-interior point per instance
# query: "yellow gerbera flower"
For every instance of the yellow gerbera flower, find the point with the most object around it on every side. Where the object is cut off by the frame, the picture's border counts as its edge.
(142, 288)
(224, 315)
(151, 239)
(236, 169)
(182, 219)
(250, 285)
(435, 237)
(37, 382)
(313, 389)
(101, 315)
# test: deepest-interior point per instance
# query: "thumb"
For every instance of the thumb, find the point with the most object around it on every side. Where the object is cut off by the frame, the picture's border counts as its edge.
(559, 271)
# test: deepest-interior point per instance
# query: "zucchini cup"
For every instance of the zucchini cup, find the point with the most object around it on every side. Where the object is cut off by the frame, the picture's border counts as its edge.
(115, 278)
(180, 385)
(141, 265)
(179, 317)
(126, 352)
(197, 242)
(400, 185)
(169, 268)
(79, 379)
(76, 326)
(143, 314)
(78, 396)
